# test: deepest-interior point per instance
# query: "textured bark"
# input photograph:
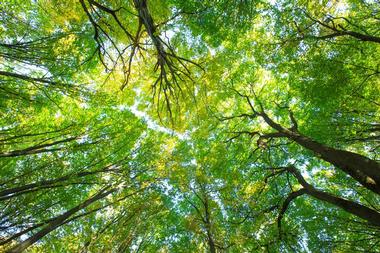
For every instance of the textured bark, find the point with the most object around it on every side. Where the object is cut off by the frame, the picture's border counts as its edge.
(359, 167)
(363, 212)
(352, 207)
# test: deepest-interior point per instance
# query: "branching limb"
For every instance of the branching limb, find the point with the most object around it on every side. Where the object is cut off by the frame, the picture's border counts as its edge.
(292, 196)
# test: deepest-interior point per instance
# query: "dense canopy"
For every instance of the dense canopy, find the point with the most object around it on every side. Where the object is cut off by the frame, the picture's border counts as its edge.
(189, 126)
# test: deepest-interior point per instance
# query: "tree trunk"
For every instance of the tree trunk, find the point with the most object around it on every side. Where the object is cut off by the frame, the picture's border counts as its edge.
(359, 167)
(211, 243)
(352, 207)
(210, 239)
(58, 221)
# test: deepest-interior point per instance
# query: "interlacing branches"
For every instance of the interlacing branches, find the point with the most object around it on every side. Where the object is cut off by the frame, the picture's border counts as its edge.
(331, 27)
(361, 168)
(18, 227)
(173, 70)
(335, 28)
(368, 214)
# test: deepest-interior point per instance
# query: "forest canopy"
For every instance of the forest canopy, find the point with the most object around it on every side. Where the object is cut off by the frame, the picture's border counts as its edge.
(189, 126)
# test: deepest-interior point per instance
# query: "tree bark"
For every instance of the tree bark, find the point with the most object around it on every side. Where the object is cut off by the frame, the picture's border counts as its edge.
(292, 196)
(363, 212)
(58, 221)
(210, 239)
(359, 36)
(361, 168)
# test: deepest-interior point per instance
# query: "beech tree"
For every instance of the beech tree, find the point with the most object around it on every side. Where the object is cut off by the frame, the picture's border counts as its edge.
(189, 126)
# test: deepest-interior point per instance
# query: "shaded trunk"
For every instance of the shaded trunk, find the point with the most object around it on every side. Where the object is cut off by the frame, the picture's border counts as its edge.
(211, 243)
(359, 167)
(363, 212)
(292, 196)
(207, 220)
(359, 36)
(352, 207)
(58, 221)
(362, 37)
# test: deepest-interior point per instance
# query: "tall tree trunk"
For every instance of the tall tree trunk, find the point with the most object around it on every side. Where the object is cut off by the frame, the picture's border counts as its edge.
(211, 242)
(352, 207)
(58, 221)
(207, 221)
(359, 167)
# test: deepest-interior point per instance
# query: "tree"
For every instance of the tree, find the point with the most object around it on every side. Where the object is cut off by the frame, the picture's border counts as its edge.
(189, 126)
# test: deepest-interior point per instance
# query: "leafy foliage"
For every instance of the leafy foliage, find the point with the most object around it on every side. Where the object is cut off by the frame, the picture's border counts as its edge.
(189, 126)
